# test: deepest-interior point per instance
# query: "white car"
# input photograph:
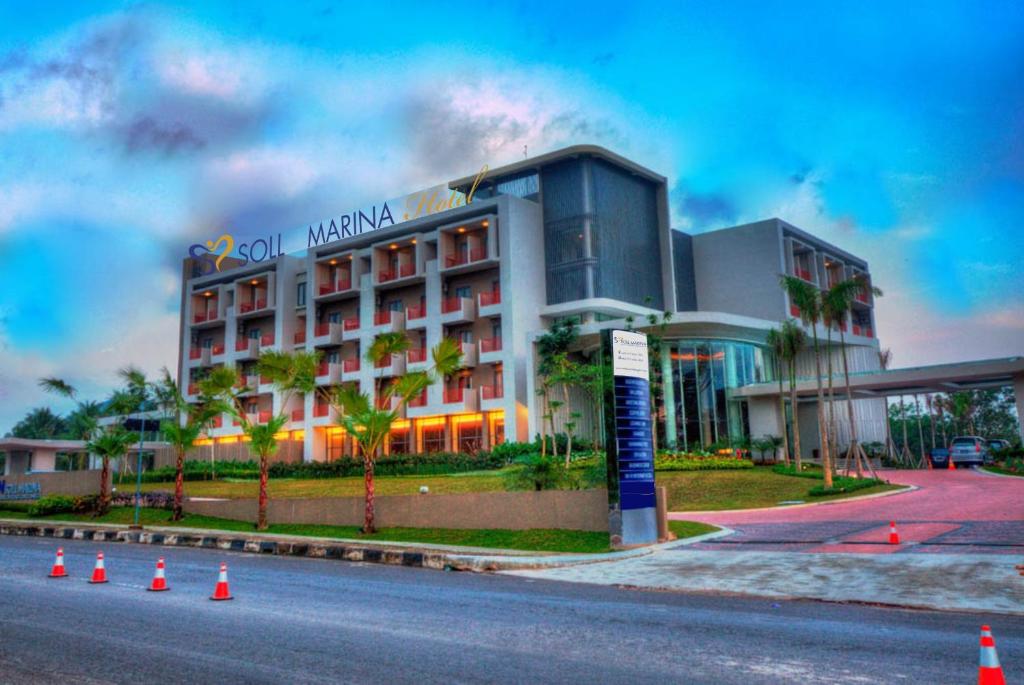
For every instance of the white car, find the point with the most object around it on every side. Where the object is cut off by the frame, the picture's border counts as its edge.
(969, 450)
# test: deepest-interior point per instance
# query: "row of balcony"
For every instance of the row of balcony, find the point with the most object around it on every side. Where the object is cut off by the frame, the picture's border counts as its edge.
(453, 400)
(453, 310)
(485, 351)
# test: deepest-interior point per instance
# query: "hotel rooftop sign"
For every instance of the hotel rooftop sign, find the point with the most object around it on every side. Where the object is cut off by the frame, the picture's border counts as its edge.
(389, 213)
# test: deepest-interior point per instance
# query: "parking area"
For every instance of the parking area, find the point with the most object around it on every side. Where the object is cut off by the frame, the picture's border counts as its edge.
(952, 512)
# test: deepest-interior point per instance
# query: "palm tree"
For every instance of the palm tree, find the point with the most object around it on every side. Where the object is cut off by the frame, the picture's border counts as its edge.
(86, 413)
(794, 340)
(181, 429)
(111, 444)
(884, 362)
(838, 301)
(41, 424)
(382, 351)
(777, 344)
(220, 392)
(82, 423)
(369, 422)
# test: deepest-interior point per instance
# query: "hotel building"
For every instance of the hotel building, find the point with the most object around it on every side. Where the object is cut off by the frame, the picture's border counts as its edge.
(581, 233)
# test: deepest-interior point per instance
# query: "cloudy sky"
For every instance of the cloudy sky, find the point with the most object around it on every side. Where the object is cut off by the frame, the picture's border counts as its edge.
(129, 131)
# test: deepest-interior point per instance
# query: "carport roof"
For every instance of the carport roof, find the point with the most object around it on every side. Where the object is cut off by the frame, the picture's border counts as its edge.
(970, 375)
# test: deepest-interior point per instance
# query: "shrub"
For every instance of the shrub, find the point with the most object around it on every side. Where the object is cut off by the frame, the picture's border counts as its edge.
(686, 461)
(841, 484)
(52, 504)
(509, 451)
(540, 473)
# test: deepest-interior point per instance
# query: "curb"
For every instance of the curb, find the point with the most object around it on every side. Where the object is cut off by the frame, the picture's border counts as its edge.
(704, 512)
(986, 472)
(392, 553)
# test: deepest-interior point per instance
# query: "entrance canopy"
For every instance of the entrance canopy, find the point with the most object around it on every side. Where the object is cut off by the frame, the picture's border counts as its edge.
(923, 380)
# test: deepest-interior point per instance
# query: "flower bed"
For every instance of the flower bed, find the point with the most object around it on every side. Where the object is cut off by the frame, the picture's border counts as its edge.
(697, 461)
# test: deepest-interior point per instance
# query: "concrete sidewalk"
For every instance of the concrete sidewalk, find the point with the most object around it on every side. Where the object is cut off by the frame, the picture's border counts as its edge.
(948, 582)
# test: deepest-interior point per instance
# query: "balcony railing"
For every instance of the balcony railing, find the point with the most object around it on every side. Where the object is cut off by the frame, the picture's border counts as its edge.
(242, 345)
(417, 355)
(382, 363)
(200, 317)
(344, 284)
(451, 304)
(475, 255)
(803, 273)
(247, 307)
(298, 414)
(195, 353)
(454, 395)
(217, 421)
(267, 339)
(491, 392)
(351, 324)
(327, 288)
(794, 310)
(193, 389)
(419, 401)
(350, 365)
(862, 297)
(407, 270)
(300, 337)
(491, 298)
(862, 330)
(320, 410)
(322, 329)
(382, 318)
(490, 345)
(323, 369)
(417, 311)
(385, 276)
(265, 380)
(218, 349)
(264, 417)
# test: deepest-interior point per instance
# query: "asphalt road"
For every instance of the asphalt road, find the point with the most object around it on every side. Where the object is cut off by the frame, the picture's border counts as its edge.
(305, 620)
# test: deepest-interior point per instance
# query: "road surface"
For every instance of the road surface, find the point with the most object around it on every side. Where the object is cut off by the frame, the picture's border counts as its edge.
(952, 512)
(299, 620)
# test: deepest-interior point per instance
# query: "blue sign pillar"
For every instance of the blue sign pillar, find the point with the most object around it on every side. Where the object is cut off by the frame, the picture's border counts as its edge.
(632, 502)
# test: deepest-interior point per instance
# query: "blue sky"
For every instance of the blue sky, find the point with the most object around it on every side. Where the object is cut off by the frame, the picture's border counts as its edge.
(129, 131)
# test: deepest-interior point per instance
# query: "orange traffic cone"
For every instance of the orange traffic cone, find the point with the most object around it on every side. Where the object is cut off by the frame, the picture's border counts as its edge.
(950, 466)
(989, 670)
(58, 566)
(99, 574)
(894, 537)
(221, 592)
(159, 581)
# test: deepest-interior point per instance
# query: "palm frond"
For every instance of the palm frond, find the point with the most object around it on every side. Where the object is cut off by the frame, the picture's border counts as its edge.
(57, 387)
(447, 357)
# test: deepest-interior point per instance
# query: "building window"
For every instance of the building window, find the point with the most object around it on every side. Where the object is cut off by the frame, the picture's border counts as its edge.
(395, 305)
(464, 291)
(334, 317)
(335, 445)
(300, 295)
(470, 436)
(254, 334)
(433, 439)
(400, 443)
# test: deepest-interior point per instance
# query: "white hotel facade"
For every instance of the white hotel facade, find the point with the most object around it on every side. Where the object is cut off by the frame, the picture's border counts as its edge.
(581, 233)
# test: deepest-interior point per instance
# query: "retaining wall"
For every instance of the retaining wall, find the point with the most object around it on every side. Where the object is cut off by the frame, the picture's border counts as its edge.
(568, 509)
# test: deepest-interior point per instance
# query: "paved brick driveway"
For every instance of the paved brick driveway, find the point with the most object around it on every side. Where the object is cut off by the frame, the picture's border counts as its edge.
(958, 512)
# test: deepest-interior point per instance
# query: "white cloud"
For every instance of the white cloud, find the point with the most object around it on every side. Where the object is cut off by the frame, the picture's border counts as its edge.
(227, 76)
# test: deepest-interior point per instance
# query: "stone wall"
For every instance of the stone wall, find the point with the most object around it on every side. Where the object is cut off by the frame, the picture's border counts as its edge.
(58, 483)
(568, 509)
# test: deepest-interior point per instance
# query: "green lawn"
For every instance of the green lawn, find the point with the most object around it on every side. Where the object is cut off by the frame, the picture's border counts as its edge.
(339, 487)
(529, 540)
(742, 489)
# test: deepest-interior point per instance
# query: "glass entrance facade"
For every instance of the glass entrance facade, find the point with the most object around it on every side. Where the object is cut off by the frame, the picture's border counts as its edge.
(700, 375)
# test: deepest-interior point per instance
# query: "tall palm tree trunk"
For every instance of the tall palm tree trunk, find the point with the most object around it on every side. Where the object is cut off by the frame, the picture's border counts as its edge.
(794, 407)
(826, 462)
(368, 486)
(905, 453)
(261, 516)
(104, 503)
(179, 484)
(854, 449)
(568, 444)
(782, 414)
(833, 428)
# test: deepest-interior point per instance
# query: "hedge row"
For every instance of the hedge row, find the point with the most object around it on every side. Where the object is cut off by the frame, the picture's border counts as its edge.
(695, 463)
(841, 484)
(393, 465)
